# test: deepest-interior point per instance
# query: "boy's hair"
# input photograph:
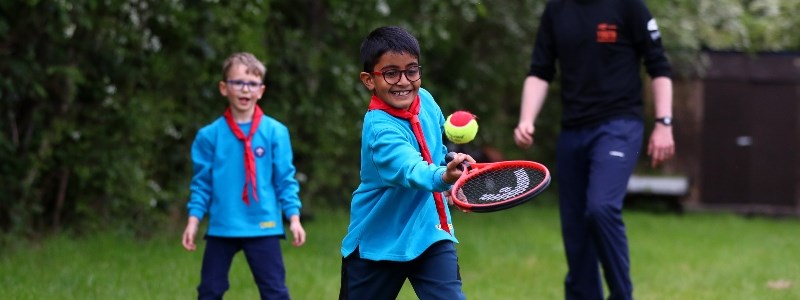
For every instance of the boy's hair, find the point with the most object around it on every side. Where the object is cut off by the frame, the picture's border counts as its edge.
(254, 66)
(387, 39)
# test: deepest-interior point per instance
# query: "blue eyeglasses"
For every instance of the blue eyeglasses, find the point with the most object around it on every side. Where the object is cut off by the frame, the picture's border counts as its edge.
(240, 84)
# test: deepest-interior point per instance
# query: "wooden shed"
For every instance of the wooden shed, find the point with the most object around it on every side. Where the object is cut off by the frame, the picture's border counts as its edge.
(738, 134)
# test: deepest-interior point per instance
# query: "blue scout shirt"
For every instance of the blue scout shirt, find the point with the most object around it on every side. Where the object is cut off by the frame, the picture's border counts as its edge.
(393, 214)
(219, 177)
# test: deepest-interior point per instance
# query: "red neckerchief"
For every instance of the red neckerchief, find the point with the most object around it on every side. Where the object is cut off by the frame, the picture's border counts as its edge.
(411, 116)
(249, 158)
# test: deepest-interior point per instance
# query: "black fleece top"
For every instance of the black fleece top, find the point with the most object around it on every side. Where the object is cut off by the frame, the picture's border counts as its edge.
(599, 46)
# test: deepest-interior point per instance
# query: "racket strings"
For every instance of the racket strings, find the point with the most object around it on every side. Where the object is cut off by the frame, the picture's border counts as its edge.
(500, 184)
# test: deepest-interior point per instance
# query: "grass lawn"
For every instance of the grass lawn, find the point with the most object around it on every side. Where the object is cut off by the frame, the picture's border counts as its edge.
(514, 254)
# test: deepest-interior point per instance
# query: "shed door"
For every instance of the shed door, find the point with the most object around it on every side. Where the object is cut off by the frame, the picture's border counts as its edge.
(750, 142)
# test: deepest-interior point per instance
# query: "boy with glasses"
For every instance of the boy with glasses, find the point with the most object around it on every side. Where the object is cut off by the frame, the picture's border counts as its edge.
(244, 180)
(400, 227)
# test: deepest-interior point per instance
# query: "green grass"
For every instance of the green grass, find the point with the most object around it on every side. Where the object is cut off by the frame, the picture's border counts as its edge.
(514, 254)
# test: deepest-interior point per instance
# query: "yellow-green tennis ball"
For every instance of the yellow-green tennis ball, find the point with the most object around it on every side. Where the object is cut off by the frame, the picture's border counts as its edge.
(461, 127)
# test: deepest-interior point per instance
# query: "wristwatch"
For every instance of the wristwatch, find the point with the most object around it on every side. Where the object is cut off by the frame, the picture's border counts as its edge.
(666, 121)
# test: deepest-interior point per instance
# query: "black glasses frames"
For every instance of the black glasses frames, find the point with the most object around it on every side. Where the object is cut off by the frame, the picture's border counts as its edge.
(393, 76)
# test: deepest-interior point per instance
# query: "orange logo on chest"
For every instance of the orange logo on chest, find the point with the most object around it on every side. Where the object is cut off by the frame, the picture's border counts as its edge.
(606, 33)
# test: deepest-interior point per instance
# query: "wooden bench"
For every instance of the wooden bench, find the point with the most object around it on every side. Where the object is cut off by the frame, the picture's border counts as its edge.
(661, 189)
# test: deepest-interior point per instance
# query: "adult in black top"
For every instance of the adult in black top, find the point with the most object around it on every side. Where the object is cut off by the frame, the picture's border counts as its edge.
(598, 48)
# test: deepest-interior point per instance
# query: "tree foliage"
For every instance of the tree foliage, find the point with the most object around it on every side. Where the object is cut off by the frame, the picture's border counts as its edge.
(100, 100)
(737, 25)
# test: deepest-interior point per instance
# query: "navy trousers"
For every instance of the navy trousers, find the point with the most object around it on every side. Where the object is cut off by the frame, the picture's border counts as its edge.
(263, 256)
(594, 166)
(433, 275)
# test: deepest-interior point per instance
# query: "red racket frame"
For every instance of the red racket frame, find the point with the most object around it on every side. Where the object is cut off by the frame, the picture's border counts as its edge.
(476, 169)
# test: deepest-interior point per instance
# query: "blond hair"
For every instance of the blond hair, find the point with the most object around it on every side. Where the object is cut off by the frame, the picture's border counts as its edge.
(254, 66)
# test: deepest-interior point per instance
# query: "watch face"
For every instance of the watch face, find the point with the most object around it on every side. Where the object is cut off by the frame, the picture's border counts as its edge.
(665, 120)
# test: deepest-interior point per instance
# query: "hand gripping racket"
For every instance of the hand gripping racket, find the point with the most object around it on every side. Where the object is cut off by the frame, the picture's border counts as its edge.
(488, 187)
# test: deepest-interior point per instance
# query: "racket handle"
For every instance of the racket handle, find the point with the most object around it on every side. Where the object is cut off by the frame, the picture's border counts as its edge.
(452, 155)
(449, 157)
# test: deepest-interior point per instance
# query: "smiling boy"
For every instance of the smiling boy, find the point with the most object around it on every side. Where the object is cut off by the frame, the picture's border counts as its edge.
(400, 227)
(244, 181)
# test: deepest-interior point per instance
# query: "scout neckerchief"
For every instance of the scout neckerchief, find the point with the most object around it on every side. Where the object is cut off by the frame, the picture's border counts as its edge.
(249, 158)
(411, 116)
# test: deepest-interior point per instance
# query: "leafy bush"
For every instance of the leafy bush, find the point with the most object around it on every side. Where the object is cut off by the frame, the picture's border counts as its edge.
(101, 100)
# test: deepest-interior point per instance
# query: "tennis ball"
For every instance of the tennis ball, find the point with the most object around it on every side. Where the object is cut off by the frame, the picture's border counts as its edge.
(461, 127)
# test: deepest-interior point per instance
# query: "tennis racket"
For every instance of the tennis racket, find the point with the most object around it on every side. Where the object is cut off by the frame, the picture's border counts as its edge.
(488, 187)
